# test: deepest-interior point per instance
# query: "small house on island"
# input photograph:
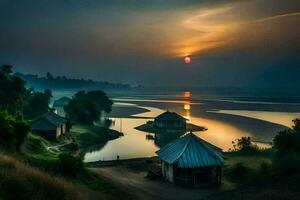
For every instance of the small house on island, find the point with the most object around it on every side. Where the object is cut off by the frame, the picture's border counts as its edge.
(191, 161)
(170, 120)
(50, 125)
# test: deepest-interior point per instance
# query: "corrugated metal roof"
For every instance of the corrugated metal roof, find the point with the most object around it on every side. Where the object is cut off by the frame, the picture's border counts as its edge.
(51, 118)
(191, 151)
(43, 124)
(54, 118)
(169, 116)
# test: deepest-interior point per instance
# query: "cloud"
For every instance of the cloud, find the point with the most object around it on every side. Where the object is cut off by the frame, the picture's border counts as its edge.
(140, 41)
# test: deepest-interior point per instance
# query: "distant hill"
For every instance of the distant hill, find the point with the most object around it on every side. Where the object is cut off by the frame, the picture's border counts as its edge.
(65, 83)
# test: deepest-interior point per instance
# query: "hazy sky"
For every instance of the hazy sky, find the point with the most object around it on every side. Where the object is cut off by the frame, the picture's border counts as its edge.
(242, 43)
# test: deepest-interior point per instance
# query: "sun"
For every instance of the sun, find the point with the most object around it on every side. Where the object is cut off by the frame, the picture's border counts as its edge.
(187, 60)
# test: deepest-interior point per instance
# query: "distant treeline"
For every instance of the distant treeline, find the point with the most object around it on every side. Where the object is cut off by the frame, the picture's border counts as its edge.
(65, 83)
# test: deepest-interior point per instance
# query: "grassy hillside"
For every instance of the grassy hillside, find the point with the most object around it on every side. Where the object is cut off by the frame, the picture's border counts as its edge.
(34, 174)
(21, 181)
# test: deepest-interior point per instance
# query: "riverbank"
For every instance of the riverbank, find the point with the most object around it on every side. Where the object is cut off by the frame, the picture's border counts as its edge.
(90, 137)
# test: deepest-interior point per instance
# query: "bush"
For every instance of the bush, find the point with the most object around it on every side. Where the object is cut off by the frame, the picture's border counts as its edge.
(287, 146)
(239, 172)
(245, 146)
(288, 164)
(69, 165)
(265, 168)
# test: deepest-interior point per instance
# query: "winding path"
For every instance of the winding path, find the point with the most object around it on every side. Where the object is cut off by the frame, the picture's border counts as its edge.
(136, 184)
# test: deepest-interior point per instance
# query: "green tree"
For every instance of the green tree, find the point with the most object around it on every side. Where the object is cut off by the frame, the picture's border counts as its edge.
(13, 131)
(287, 146)
(37, 103)
(86, 107)
(12, 91)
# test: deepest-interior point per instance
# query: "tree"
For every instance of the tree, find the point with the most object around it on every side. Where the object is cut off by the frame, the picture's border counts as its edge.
(287, 146)
(6, 69)
(245, 145)
(13, 131)
(49, 76)
(86, 107)
(37, 104)
(12, 90)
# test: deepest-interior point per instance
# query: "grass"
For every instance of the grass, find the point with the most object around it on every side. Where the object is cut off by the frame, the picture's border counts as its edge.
(36, 154)
(254, 178)
(91, 136)
(21, 181)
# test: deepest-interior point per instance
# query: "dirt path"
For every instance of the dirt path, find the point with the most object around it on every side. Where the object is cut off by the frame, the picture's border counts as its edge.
(145, 189)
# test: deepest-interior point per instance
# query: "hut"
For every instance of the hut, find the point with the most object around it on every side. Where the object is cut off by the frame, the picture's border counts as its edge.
(50, 125)
(170, 120)
(59, 104)
(63, 101)
(191, 161)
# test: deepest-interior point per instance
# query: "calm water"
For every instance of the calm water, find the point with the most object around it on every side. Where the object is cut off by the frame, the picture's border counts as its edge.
(226, 120)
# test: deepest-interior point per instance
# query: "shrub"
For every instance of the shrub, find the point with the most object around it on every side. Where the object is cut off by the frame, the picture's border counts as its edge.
(69, 165)
(265, 168)
(245, 146)
(288, 164)
(239, 172)
(287, 146)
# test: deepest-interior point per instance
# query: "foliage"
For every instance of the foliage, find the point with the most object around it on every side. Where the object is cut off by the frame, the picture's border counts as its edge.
(265, 168)
(86, 107)
(12, 90)
(37, 103)
(69, 165)
(287, 146)
(245, 145)
(16, 99)
(239, 172)
(13, 131)
(93, 136)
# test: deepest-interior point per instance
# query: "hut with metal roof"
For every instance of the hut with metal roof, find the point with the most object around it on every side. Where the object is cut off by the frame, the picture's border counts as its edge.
(50, 125)
(59, 104)
(170, 120)
(191, 160)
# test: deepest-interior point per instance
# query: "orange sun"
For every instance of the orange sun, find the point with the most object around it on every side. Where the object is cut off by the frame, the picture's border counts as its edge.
(187, 60)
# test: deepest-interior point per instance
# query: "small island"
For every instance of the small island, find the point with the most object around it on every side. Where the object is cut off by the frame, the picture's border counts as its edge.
(169, 122)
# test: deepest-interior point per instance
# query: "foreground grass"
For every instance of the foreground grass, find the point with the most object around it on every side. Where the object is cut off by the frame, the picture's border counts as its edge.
(21, 181)
(254, 178)
(35, 153)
